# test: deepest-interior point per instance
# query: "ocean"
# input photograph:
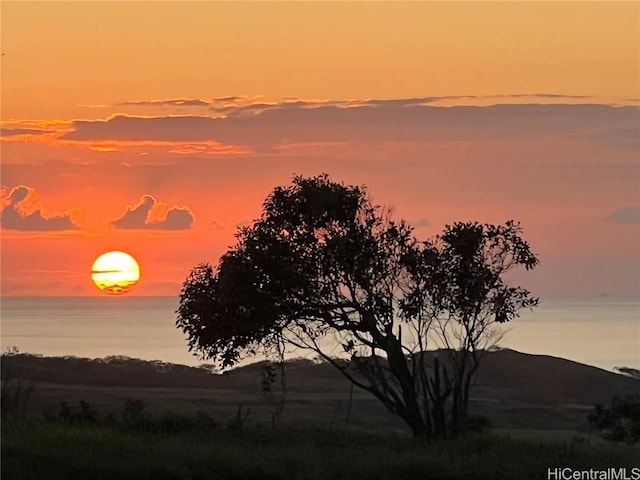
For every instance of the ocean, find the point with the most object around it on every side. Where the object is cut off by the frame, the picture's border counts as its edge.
(603, 333)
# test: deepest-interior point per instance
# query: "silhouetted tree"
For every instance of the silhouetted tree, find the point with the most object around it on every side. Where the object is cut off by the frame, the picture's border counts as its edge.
(463, 292)
(324, 266)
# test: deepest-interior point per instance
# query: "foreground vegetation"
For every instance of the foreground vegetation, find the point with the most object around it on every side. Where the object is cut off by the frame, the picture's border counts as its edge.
(82, 440)
(77, 443)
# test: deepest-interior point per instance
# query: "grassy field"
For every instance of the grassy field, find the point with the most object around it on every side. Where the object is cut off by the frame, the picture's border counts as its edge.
(129, 419)
(65, 451)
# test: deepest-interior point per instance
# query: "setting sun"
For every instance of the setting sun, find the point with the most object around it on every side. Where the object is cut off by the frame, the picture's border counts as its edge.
(115, 272)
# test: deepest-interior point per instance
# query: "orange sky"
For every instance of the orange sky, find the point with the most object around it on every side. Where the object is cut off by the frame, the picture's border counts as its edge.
(193, 111)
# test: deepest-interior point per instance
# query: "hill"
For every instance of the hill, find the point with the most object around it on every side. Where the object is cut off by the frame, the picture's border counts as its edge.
(513, 389)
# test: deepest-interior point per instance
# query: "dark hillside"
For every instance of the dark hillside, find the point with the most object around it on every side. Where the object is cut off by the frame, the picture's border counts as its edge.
(514, 389)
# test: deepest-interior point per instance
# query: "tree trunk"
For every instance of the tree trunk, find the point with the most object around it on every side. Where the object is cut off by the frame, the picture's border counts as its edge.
(439, 391)
(419, 429)
(414, 417)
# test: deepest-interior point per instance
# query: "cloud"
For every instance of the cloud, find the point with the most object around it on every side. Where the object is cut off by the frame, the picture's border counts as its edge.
(149, 214)
(95, 105)
(447, 100)
(625, 215)
(539, 95)
(238, 104)
(423, 222)
(215, 225)
(10, 132)
(172, 102)
(192, 102)
(374, 122)
(34, 127)
(623, 138)
(22, 210)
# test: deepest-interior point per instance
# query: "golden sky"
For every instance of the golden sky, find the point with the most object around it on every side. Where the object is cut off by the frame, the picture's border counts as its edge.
(60, 55)
(189, 113)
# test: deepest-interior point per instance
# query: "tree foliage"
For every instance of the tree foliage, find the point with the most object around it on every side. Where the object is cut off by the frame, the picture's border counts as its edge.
(629, 371)
(324, 266)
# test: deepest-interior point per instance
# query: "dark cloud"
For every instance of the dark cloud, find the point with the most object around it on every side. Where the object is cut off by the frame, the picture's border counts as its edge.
(122, 127)
(137, 217)
(10, 132)
(177, 219)
(423, 222)
(14, 217)
(252, 109)
(625, 215)
(623, 138)
(374, 122)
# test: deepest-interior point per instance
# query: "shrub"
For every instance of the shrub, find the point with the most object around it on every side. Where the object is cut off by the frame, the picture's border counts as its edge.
(134, 414)
(84, 414)
(15, 391)
(619, 422)
(477, 424)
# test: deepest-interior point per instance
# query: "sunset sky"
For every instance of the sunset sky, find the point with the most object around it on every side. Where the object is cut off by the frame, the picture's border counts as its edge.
(158, 127)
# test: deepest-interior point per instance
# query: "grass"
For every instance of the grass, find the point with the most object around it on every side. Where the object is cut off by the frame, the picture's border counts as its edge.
(73, 441)
(38, 449)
